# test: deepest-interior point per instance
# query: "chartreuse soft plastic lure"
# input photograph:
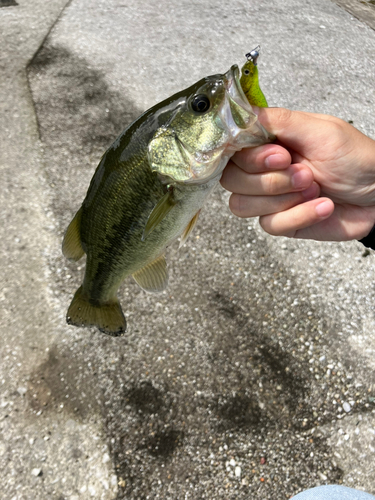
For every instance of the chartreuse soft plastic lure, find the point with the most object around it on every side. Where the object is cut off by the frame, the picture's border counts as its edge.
(250, 80)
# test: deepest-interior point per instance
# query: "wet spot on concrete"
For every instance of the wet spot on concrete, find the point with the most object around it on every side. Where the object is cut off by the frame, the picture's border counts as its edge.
(60, 385)
(164, 443)
(364, 10)
(226, 307)
(96, 114)
(146, 398)
(239, 411)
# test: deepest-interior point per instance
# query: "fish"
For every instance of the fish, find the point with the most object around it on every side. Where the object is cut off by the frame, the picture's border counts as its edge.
(250, 80)
(148, 190)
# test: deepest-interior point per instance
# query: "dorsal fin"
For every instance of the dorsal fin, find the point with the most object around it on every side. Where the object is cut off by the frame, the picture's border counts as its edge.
(71, 245)
(154, 276)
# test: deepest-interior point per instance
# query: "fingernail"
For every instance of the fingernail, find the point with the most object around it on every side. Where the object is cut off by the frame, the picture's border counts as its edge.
(300, 179)
(311, 192)
(275, 161)
(324, 208)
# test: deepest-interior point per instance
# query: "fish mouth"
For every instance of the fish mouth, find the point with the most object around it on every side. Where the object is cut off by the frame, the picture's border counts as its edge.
(236, 112)
(233, 86)
(234, 90)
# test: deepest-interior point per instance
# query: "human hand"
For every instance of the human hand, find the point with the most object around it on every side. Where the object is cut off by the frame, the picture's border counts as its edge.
(318, 182)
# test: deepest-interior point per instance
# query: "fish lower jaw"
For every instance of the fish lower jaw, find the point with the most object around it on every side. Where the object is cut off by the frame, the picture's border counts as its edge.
(238, 136)
(240, 142)
(210, 178)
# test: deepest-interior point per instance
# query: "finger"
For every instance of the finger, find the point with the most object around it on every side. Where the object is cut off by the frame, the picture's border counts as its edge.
(295, 178)
(263, 158)
(287, 223)
(348, 222)
(254, 206)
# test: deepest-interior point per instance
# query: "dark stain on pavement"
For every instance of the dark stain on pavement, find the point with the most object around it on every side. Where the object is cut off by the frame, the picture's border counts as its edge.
(163, 443)
(239, 411)
(146, 398)
(8, 3)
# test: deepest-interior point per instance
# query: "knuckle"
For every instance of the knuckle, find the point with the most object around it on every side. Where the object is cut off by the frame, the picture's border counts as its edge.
(236, 205)
(339, 128)
(271, 184)
(338, 122)
(282, 115)
(338, 125)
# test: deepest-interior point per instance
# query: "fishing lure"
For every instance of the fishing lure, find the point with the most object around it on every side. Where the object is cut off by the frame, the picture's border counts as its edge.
(250, 80)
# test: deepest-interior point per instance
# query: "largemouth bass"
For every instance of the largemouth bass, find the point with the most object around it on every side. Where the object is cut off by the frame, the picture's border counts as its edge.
(148, 190)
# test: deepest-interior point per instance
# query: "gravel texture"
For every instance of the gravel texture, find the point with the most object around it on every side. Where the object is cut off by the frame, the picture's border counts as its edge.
(253, 374)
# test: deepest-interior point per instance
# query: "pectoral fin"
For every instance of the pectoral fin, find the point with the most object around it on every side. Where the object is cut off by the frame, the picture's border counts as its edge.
(163, 207)
(154, 276)
(72, 246)
(189, 228)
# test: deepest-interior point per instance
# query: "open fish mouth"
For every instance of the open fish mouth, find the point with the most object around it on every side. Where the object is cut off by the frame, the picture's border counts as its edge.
(233, 87)
(237, 112)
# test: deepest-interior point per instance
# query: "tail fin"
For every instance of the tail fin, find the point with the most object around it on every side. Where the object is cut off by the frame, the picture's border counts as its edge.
(108, 317)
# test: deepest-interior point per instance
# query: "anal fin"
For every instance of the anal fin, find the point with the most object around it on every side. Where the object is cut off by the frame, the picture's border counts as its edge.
(189, 228)
(154, 276)
(71, 245)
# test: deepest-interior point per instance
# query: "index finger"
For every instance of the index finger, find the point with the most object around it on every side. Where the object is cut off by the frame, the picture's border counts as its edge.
(262, 159)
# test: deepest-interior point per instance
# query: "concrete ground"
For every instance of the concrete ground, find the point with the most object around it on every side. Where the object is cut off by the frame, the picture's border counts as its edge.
(253, 375)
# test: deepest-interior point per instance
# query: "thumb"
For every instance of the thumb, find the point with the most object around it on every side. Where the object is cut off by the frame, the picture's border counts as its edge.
(295, 129)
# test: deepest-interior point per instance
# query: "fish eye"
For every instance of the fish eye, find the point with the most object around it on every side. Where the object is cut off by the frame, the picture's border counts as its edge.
(246, 71)
(200, 103)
